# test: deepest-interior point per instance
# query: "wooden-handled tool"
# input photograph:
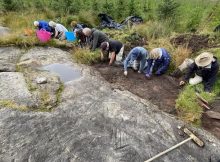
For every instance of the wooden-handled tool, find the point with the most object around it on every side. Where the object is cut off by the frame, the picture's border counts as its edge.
(191, 137)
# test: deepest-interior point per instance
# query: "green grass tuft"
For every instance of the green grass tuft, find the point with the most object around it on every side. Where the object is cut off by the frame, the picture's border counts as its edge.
(85, 56)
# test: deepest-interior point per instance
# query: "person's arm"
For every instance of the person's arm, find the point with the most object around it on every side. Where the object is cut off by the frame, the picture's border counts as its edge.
(189, 72)
(209, 83)
(163, 68)
(94, 42)
(128, 58)
(149, 66)
(113, 55)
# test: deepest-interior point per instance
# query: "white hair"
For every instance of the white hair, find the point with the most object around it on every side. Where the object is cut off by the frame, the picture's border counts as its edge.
(36, 23)
(52, 24)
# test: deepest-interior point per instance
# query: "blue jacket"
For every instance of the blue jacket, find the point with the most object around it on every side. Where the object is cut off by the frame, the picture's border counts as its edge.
(44, 25)
(160, 64)
(137, 53)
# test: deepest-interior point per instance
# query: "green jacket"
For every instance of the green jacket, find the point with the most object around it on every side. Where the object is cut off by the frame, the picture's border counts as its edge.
(97, 38)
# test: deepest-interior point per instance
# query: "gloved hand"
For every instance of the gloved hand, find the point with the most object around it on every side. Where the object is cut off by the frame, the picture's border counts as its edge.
(125, 73)
(139, 71)
(158, 73)
(182, 83)
(147, 76)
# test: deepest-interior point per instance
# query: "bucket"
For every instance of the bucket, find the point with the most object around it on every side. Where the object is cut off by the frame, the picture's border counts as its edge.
(70, 36)
(43, 35)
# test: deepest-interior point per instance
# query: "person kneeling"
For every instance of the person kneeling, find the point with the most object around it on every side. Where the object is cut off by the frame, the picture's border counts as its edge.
(205, 69)
(135, 56)
(112, 49)
(159, 61)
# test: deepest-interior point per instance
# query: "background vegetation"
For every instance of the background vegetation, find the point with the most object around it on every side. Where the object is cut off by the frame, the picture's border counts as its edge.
(163, 19)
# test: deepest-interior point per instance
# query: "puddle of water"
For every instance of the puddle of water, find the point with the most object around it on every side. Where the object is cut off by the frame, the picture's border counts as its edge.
(65, 72)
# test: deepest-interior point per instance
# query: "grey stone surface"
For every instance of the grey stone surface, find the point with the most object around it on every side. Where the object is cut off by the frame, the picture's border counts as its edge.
(8, 58)
(41, 80)
(14, 88)
(44, 56)
(4, 31)
(96, 123)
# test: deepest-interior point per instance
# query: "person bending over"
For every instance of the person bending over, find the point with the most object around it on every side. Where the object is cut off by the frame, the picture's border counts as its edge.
(112, 49)
(59, 30)
(204, 69)
(158, 62)
(96, 37)
(135, 56)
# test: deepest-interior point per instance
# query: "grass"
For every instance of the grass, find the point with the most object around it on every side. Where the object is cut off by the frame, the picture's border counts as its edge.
(59, 93)
(85, 56)
(13, 105)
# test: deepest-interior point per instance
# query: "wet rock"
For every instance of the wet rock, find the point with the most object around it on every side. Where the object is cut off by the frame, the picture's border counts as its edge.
(4, 31)
(8, 58)
(41, 80)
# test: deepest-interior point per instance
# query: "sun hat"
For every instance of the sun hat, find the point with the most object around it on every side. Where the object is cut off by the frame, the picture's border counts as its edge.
(36, 23)
(204, 59)
(155, 53)
(52, 24)
(87, 31)
(104, 46)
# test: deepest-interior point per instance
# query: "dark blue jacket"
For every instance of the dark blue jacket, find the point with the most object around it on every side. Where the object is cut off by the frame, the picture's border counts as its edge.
(208, 75)
(44, 25)
(160, 65)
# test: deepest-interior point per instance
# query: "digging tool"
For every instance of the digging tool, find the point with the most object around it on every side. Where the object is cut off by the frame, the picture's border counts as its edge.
(191, 137)
(202, 102)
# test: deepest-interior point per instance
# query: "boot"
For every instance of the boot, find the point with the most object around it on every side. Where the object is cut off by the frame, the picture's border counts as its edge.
(176, 73)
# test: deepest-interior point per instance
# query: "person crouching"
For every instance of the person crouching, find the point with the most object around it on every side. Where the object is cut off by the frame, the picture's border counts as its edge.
(158, 62)
(112, 50)
(135, 56)
(204, 69)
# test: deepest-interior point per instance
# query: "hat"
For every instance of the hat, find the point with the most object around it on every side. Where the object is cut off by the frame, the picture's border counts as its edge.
(36, 23)
(52, 24)
(104, 46)
(155, 53)
(204, 59)
(87, 31)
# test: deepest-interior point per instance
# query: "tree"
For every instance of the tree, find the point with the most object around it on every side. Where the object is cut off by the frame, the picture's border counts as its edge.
(167, 9)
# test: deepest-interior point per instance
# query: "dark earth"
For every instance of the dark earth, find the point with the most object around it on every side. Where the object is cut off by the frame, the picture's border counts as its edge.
(161, 91)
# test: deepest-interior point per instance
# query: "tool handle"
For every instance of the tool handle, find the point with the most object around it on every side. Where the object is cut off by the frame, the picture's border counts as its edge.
(168, 150)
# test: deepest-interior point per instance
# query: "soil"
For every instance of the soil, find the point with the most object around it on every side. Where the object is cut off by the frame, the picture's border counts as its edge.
(212, 125)
(161, 91)
(192, 41)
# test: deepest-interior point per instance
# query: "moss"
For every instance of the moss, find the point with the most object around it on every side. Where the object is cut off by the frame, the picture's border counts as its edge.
(59, 93)
(13, 105)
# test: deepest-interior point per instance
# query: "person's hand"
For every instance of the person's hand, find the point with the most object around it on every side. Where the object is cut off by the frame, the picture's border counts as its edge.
(158, 73)
(182, 83)
(147, 76)
(125, 73)
(139, 71)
